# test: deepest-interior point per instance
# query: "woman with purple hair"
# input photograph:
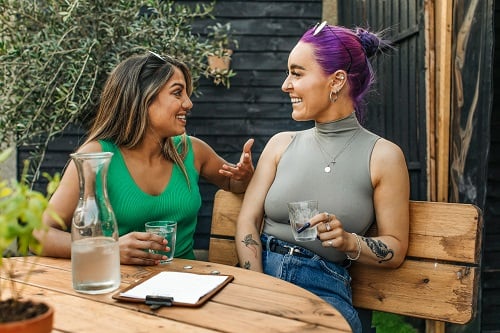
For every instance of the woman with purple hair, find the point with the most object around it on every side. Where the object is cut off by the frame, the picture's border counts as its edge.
(357, 177)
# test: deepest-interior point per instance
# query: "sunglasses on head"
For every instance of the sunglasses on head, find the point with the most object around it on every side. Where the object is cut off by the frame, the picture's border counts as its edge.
(320, 26)
(157, 55)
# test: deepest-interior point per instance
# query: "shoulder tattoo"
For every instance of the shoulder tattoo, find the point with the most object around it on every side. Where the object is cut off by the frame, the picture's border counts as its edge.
(379, 248)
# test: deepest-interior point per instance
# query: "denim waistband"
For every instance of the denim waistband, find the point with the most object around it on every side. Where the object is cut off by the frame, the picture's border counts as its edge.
(279, 246)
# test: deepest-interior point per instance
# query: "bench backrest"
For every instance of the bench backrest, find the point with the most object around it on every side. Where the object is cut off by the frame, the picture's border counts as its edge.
(439, 280)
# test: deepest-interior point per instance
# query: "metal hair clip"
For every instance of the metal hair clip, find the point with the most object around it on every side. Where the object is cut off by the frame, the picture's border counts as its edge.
(319, 28)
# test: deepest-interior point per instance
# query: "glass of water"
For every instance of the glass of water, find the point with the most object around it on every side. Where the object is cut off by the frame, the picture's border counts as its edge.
(300, 213)
(167, 230)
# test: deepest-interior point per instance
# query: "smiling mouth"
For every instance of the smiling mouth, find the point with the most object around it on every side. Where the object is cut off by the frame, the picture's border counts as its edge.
(296, 100)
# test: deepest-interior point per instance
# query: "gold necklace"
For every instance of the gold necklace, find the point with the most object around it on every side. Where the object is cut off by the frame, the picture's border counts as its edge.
(331, 161)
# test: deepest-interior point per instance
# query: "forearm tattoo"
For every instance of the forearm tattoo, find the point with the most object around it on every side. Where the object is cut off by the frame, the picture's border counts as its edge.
(250, 243)
(379, 249)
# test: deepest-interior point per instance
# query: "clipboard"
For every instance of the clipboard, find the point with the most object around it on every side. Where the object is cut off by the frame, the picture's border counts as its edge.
(118, 295)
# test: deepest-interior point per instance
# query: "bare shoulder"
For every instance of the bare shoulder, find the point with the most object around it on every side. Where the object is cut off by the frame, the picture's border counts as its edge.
(386, 151)
(90, 147)
(388, 160)
(199, 146)
(276, 145)
(281, 139)
(194, 139)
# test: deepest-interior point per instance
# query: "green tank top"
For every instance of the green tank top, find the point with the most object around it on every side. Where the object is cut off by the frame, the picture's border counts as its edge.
(178, 202)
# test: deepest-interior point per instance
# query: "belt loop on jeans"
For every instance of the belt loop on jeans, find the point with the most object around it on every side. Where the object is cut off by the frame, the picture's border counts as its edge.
(268, 242)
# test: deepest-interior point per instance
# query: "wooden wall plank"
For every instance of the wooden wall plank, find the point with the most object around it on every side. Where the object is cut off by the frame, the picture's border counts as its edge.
(443, 19)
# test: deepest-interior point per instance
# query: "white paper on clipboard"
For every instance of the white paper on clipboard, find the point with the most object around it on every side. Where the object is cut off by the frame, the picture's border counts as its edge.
(183, 287)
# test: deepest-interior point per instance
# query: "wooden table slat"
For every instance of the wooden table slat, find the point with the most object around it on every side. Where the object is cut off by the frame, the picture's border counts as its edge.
(253, 302)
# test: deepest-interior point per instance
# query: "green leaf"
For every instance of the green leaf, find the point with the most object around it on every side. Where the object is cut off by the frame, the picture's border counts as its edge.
(56, 57)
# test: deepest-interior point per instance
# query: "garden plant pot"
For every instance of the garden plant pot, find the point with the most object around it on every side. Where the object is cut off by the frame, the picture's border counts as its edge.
(40, 324)
(219, 64)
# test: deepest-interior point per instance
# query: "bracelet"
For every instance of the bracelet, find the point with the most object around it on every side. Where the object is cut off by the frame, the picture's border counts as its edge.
(359, 249)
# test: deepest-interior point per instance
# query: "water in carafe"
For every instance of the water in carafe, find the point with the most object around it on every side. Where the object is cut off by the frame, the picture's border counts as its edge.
(95, 254)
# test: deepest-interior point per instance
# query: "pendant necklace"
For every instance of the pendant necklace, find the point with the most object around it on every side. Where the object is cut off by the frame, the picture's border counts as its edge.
(330, 164)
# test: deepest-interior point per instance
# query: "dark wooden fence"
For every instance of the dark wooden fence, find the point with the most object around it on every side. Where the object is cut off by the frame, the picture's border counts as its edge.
(490, 320)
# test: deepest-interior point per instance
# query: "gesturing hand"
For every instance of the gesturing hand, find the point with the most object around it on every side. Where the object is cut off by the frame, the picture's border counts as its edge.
(243, 170)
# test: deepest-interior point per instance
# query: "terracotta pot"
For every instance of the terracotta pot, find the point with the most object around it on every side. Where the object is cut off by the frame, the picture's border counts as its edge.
(220, 63)
(40, 324)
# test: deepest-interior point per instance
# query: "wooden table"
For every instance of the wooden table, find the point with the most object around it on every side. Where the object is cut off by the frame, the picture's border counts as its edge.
(252, 302)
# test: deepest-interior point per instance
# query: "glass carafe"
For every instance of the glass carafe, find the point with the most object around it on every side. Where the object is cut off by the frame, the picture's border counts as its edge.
(95, 254)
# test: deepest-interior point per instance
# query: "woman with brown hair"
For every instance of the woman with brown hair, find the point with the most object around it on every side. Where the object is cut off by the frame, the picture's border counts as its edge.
(155, 168)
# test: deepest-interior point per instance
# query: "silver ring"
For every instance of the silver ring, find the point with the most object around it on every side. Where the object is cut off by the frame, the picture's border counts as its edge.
(330, 243)
(328, 227)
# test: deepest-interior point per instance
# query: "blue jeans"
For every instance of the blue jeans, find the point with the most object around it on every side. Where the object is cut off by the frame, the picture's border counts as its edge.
(328, 280)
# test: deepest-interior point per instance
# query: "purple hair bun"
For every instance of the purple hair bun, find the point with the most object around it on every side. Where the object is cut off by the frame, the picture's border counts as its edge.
(371, 42)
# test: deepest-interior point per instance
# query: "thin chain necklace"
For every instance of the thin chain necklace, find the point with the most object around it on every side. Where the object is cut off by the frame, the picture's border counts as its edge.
(331, 161)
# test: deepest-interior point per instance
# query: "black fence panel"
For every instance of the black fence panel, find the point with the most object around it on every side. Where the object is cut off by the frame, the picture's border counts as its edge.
(396, 106)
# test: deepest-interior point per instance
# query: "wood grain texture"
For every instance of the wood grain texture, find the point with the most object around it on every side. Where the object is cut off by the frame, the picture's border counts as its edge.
(429, 290)
(252, 302)
(439, 279)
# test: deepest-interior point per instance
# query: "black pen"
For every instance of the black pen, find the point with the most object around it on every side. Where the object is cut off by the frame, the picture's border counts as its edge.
(304, 227)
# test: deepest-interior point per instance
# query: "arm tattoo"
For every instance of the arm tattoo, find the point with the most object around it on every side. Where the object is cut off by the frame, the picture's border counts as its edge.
(247, 265)
(248, 241)
(379, 249)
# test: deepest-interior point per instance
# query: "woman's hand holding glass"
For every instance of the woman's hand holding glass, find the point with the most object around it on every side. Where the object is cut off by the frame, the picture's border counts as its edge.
(331, 232)
(133, 245)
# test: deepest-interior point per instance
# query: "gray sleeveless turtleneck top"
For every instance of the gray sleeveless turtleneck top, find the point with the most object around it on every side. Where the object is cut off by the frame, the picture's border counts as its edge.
(346, 191)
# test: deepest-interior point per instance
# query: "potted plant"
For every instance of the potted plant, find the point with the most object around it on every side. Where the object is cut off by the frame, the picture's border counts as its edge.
(21, 210)
(219, 61)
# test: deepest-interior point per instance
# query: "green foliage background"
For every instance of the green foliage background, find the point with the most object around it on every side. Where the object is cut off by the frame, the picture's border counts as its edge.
(391, 323)
(56, 54)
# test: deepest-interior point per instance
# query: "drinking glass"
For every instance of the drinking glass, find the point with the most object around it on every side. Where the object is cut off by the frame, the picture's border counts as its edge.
(167, 230)
(300, 213)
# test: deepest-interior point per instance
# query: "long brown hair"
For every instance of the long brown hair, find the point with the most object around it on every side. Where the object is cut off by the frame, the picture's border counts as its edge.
(122, 116)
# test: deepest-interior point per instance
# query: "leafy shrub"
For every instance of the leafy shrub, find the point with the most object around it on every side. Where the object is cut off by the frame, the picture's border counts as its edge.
(391, 323)
(55, 56)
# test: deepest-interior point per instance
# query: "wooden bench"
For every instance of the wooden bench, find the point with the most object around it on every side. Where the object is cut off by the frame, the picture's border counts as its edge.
(439, 280)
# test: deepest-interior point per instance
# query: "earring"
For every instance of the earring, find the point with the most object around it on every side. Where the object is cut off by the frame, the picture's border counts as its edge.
(333, 96)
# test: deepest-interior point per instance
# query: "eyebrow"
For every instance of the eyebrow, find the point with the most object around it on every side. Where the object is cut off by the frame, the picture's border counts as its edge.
(180, 85)
(294, 66)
